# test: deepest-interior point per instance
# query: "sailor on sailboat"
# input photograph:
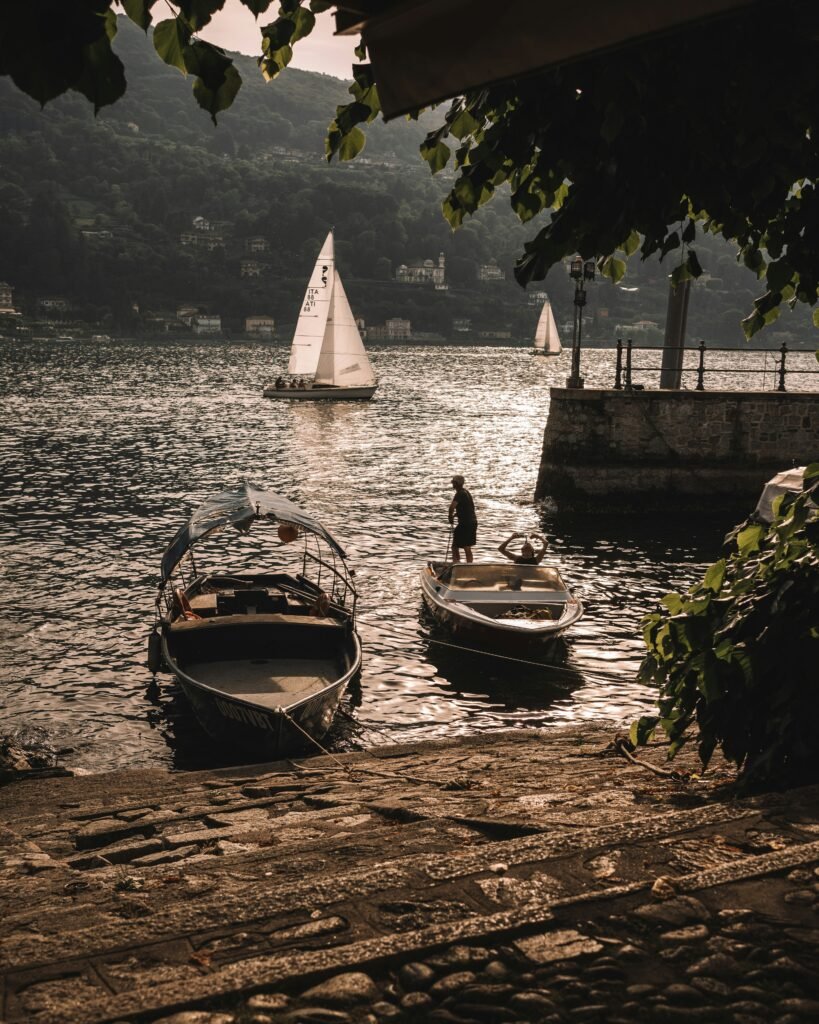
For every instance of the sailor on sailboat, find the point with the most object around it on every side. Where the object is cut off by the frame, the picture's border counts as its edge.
(547, 342)
(327, 345)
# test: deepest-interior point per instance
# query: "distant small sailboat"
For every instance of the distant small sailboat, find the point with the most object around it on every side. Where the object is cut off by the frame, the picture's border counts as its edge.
(327, 345)
(547, 341)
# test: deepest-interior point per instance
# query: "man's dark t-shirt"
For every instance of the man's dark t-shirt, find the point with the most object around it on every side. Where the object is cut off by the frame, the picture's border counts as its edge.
(465, 508)
(465, 533)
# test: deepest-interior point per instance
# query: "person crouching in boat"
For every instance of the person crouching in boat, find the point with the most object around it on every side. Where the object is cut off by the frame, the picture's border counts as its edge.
(462, 507)
(528, 555)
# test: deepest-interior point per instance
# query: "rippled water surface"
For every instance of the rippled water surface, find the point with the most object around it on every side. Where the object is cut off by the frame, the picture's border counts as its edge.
(105, 450)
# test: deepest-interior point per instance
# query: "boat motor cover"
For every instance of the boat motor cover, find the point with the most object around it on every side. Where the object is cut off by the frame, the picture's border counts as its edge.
(239, 508)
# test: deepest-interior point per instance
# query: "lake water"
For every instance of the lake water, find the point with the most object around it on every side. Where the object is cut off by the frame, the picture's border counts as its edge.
(105, 449)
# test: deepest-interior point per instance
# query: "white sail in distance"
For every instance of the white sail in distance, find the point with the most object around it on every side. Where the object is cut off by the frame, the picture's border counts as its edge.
(343, 361)
(315, 309)
(546, 336)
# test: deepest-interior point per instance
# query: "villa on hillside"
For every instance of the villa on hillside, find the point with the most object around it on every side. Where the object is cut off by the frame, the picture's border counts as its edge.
(425, 272)
(260, 326)
(491, 272)
(206, 324)
(49, 305)
(257, 243)
(394, 329)
(251, 268)
(6, 298)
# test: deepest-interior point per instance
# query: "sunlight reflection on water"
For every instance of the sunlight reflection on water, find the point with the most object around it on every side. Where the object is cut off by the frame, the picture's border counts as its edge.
(106, 448)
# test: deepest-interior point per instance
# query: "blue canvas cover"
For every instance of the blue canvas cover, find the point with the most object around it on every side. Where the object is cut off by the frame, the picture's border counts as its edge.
(239, 507)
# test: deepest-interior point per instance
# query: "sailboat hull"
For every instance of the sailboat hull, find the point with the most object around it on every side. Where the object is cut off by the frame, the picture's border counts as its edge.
(322, 393)
(543, 352)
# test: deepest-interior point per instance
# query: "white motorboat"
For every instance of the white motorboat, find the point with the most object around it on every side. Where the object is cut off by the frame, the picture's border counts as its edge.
(547, 340)
(327, 344)
(500, 606)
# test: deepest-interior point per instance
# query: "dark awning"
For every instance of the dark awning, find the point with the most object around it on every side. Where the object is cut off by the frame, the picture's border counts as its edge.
(424, 51)
(239, 508)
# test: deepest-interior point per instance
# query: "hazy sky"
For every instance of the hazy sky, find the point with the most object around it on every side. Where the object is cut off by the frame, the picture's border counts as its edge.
(235, 28)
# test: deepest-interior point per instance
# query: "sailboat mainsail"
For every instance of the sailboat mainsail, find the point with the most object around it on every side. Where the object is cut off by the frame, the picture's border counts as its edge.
(315, 309)
(343, 360)
(327, 357)
(547, 341)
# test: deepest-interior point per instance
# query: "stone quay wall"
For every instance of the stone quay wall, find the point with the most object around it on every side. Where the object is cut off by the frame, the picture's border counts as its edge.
(606, 449)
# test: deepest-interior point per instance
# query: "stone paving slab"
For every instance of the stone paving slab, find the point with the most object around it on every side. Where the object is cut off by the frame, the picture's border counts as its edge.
(138, 893)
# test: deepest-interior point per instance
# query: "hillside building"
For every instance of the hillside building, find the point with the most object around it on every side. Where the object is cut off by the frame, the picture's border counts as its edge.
(260, 326)
(206, 324)
(251, 268)
(536, 298)
(491, 272)
(394, 329)
(52, 305)
(462, 324)
(426, 272)
(258, 243)
(6, 298)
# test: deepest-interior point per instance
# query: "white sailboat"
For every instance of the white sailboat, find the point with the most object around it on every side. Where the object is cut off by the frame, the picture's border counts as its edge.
(327, 345)
(547, 341)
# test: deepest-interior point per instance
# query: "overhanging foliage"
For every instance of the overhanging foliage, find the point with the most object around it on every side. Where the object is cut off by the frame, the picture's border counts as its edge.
(735, 658)
(710, 129)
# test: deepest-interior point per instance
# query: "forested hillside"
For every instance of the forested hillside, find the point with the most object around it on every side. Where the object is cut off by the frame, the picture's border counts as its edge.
(95, 209)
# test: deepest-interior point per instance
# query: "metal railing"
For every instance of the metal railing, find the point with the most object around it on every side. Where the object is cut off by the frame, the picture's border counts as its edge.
(625, 369)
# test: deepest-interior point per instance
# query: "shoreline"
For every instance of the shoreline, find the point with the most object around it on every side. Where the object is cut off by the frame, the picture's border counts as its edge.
(526, 875)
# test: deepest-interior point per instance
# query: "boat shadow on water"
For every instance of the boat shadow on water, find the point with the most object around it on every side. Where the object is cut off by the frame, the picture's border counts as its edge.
(527, 683)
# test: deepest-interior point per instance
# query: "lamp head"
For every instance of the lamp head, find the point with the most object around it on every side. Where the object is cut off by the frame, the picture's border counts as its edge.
(576, 268)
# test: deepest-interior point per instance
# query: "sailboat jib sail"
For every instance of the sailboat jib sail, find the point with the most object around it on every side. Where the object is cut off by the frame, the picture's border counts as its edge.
(307, 341)
(547, 340)
(343, 361)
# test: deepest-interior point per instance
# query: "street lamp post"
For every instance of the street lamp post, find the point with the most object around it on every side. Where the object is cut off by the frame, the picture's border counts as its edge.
(580, 272)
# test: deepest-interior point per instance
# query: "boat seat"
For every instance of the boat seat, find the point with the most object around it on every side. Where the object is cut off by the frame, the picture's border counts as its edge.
(262, 619)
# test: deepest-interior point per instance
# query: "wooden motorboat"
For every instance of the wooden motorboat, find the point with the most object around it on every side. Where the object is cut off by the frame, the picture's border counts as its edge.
(500, 606)
(264, 657)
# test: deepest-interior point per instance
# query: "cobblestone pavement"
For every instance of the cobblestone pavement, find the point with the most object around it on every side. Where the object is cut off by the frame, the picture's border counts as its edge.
(526, 876)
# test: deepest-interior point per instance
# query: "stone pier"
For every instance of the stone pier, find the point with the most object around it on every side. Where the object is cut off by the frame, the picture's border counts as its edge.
(606, 450)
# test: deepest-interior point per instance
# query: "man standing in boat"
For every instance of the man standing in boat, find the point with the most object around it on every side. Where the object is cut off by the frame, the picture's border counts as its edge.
(462, 508)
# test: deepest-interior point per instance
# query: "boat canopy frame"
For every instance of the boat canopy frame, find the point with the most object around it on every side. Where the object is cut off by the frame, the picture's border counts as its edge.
(240, 508)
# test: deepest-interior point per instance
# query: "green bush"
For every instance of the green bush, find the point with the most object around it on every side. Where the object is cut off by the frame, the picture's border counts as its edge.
(736, 658)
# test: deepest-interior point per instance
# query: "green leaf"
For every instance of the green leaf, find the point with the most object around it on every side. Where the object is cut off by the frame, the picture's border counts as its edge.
(693, 264)
(749, 539)
(216, 89)
(103, 77)
(613, 268)
(436, 155)
(303, 21)
(464, 124)
(170, 39)
(816, 323)
(631, 244)
(257, 7)
(198, 13)
(642, 730)
(779, 275)
(139, 11)
(673, 603)
(352, 144)
(715, 576)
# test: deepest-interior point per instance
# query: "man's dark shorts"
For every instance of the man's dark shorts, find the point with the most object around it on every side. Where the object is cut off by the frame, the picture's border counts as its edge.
(465, 535)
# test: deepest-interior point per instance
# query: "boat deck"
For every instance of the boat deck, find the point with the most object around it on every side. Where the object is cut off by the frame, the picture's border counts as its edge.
(270, 683)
